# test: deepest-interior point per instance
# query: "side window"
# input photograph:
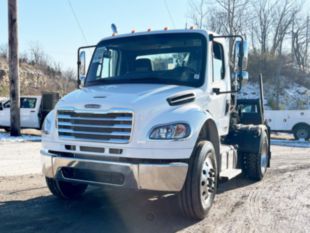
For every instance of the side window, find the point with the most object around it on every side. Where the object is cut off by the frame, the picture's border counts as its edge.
(251, 108)
(28, 102)
(7, 104)
(107, 66)
(218, 62)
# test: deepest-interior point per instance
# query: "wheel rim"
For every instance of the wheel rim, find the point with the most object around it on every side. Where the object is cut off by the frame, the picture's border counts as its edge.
(302, 134)
(207, 182)
(264, 157)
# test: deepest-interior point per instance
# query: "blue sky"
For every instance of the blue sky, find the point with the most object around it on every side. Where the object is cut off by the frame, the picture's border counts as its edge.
(51, 24)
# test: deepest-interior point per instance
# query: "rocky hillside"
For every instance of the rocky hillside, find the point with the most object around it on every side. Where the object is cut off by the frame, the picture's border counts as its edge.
(37, 78)
(291, 97)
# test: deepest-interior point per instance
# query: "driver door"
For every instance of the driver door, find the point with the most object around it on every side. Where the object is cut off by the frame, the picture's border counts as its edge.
(29, 112)
(220, 103)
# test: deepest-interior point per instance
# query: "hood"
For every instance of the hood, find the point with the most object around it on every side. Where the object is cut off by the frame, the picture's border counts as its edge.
(130, 96)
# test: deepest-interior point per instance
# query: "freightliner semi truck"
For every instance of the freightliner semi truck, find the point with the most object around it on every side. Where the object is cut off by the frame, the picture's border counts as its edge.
(156, 110)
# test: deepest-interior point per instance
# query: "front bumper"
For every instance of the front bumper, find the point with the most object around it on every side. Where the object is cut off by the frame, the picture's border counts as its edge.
(152, 176)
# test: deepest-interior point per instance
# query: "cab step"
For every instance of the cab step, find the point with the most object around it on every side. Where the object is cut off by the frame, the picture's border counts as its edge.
(229, 174)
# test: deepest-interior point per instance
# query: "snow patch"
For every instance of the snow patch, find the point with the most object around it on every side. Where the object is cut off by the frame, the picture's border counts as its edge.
(5, 137)
(293, 98)
(290, 143)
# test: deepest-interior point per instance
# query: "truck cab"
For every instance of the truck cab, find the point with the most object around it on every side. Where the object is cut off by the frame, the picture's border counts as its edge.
(155, 111)
(29, 111)
(33, 110)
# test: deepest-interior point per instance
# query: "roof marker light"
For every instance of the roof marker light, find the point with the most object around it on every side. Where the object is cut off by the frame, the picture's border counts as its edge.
(133, 31)
(166, 28)
(191, 28)
(149, 29)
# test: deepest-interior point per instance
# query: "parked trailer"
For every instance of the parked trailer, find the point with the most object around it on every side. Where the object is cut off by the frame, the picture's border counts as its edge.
(291, 121)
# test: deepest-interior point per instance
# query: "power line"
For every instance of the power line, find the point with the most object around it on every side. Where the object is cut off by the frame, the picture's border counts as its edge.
(169, 13)
(77, 20)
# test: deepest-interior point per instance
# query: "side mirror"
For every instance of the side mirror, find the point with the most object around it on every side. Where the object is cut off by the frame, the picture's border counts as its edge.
(241, 55)
(241, 77)
(81, 69)
(1, 107)
(82, 64)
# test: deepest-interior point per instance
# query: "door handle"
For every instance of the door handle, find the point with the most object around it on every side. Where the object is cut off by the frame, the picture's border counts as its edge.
(216, 90)
(32, 111)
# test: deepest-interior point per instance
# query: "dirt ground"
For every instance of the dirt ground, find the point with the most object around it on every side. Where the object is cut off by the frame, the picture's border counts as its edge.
(279, 203)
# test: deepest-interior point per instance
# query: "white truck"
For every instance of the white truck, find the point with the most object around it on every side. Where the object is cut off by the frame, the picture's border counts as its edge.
(156, 110)
(291, 121)
(33, 110)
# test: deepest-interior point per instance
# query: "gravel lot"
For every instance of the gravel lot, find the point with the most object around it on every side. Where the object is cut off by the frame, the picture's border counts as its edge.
(280, 203)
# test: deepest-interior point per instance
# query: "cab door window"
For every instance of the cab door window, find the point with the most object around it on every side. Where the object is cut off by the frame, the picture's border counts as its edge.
(28, 102)
(218, 62)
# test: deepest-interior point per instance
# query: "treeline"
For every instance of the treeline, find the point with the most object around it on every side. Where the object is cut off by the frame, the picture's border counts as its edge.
(278, 33)
(38, 72)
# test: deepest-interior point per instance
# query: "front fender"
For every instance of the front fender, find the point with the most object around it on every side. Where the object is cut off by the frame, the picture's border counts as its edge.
(191, 114)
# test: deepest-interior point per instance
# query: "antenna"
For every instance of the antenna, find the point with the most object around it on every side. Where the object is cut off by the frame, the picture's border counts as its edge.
(114, 28)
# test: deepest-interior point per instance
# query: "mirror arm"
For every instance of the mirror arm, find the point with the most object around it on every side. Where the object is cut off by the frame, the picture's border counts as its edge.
(218, 92)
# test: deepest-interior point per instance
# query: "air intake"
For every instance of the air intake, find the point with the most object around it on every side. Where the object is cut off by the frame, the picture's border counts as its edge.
(181, 99)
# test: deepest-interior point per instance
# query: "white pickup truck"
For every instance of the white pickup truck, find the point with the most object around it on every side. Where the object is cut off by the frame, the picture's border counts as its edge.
(157, 111)
(33, 110)
(292, 121)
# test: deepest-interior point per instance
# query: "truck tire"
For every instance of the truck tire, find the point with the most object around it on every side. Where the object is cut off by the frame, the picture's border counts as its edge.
(255, 164)
(65, 190)
(301, 131)
(197, 195)
(7, 130)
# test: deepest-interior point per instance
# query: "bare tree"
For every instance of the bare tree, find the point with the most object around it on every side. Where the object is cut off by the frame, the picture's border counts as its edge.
(282, 18)
(273, 20)
(300, 42)
(198, 12)
(37, 55)
(263, 20)
(222, 16)
(4, 51)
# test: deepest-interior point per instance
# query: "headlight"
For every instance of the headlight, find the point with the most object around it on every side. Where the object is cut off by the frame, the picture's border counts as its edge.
(47, 124)
(171, 131)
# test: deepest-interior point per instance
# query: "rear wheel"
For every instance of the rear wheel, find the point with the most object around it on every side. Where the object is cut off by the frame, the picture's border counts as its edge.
(301, 131)
(197, 195)
(7, 130)
(255, 164)
(65, 190)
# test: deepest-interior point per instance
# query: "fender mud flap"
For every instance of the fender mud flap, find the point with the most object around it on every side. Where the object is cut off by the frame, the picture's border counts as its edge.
(246, 137)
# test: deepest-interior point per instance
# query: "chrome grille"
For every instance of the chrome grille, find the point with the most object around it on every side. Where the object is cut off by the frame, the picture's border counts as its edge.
(113, 127)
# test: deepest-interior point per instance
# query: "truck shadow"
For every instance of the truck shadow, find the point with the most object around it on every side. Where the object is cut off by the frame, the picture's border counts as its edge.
(235, 183)
(100, 210)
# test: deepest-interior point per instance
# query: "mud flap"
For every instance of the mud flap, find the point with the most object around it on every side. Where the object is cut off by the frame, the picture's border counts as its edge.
(247, 138)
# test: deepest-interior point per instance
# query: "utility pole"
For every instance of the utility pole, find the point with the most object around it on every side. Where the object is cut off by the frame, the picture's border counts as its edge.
(14, 68)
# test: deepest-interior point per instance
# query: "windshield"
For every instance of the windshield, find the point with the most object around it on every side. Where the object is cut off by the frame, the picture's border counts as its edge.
(163, 58)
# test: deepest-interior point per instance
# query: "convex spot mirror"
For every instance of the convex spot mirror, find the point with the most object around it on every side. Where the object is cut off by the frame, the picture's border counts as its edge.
(238, 78)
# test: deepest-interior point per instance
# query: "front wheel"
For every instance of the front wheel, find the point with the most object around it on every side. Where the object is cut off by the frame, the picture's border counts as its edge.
(197, 195)
(65, 190)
